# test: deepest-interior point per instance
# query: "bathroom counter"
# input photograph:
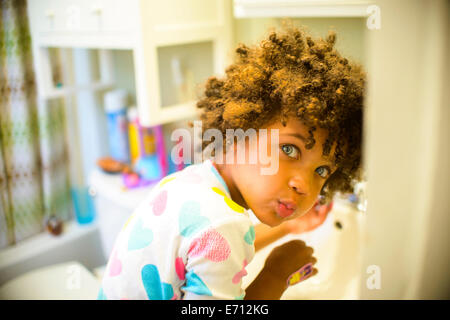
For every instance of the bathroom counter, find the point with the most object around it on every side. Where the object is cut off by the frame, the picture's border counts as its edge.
(110, 186)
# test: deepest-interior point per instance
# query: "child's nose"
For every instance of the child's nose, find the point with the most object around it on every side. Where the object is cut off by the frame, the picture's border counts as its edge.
(298, 185)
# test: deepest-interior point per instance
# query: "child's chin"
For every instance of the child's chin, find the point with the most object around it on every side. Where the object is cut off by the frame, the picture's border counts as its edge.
(274, 221)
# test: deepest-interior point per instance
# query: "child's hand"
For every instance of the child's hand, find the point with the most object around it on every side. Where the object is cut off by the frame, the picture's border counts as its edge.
(310, 220)
(284, 260)
(281, 263)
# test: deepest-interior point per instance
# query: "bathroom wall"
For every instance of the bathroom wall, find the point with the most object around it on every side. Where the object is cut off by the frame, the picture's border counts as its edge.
(407, 149)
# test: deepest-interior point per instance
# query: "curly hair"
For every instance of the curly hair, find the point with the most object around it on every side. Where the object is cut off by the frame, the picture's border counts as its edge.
(290, 74)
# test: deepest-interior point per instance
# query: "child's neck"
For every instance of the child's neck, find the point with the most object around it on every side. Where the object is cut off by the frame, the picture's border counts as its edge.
(225, 173)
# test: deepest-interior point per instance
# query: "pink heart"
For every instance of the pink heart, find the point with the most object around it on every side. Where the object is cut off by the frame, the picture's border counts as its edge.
(179, 268)
(115, 267)
(211, 245)
(159, 203)
(238, 276)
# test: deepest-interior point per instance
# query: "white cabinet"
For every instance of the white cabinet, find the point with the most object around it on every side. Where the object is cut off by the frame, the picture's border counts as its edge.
(300, 8)
(174, 46)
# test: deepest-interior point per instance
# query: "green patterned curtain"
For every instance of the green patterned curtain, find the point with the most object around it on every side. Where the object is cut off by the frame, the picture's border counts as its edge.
(34, 178)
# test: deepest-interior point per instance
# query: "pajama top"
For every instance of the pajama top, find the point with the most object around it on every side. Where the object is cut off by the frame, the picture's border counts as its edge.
(187, 240)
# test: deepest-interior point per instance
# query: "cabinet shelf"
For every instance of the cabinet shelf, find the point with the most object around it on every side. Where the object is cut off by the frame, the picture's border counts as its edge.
(64, 92)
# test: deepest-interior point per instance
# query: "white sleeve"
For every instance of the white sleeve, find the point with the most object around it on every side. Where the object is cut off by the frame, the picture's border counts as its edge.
(217, 257)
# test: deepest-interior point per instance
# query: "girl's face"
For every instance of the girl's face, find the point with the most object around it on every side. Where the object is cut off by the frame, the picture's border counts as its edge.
(294, 188)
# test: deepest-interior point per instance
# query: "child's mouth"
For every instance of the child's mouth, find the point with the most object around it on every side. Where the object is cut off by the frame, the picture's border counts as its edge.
(284, 210)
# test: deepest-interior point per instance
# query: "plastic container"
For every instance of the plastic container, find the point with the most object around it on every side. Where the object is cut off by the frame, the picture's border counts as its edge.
(83, 204)
(141, 139)
(116, 111)
(149, 167)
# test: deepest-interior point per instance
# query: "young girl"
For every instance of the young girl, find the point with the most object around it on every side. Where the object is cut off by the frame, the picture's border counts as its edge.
(192, 237)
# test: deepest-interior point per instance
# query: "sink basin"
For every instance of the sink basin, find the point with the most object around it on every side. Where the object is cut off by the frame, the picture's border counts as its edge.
(337, 246)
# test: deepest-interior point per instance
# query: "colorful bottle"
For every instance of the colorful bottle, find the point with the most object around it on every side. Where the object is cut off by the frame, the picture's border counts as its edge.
(133, 134)
(141, 139)
(116, 111)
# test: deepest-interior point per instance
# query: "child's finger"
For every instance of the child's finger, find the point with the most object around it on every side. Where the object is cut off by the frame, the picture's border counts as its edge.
(309, 251)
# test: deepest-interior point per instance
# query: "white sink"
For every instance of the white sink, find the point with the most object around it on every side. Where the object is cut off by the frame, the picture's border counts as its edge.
(338, 253)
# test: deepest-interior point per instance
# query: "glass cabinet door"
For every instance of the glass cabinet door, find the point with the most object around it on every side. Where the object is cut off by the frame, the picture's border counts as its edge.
(182, 70)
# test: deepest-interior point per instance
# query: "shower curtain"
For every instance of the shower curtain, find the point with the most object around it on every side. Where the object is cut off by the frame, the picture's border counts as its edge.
(34, 176)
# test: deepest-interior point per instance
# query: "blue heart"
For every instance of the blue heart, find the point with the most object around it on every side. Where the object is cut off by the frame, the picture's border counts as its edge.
(156, 290)
(190, 219)
(195, 285)
(101, 295)
(140, 237)
(241, 297)
(249, 237)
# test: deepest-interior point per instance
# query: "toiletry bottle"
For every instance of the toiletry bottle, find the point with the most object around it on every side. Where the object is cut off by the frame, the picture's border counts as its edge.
(141, 139)
(116, 111)
(133, 134)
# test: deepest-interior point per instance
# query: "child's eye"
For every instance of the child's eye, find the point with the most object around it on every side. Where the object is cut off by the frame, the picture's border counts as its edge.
(290, 150)
(321, 171)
